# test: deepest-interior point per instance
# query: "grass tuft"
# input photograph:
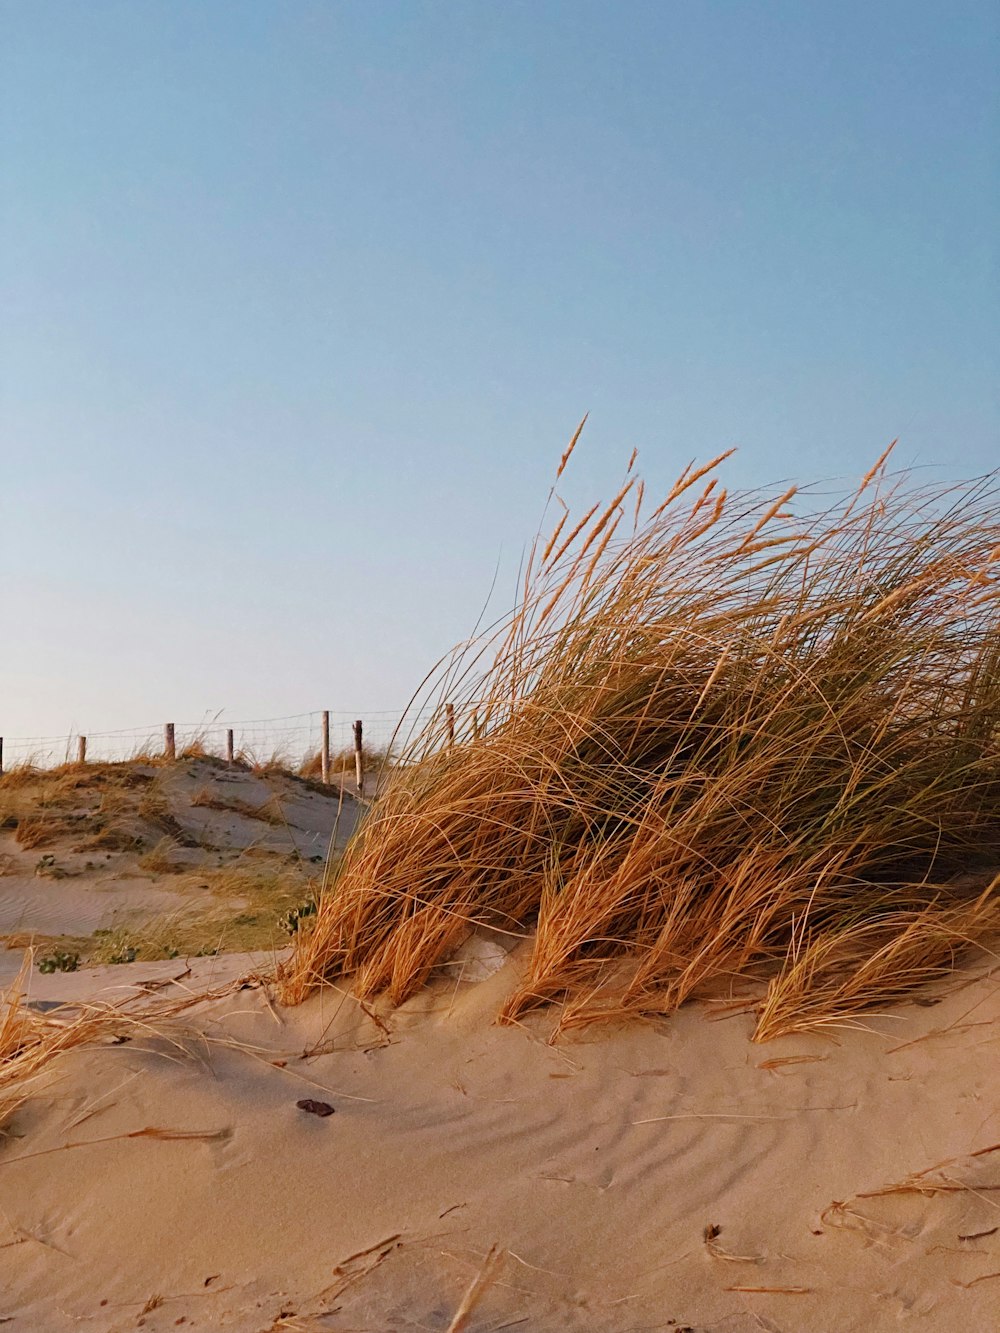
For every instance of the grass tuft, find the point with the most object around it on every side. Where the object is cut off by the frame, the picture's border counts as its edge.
(738, 740)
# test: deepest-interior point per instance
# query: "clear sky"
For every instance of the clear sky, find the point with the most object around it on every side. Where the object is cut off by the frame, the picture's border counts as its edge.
(301, 302)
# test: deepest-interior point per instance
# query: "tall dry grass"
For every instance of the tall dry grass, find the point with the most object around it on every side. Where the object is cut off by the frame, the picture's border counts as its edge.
(736, 740)
(343, 761)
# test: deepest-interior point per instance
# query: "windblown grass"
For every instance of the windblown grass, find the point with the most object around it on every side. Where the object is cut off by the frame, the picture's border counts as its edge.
(268, 812)
(740, 744)
(344, 761)
(113, 806)
(29, 1040)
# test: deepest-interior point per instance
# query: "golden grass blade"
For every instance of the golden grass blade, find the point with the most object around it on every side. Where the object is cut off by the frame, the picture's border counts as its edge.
(478, 1288)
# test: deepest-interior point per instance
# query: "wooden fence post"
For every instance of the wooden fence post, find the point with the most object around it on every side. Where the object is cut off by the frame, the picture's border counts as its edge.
(1, 756)
(169, 745)
(230, 756)
(325, 752)
(81, 749)
(449, 712)
(359, 757)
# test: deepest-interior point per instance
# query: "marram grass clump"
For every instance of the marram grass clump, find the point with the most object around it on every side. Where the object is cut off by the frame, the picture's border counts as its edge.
(726, 744)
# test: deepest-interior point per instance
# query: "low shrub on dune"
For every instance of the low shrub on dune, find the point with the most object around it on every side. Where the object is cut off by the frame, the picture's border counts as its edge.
(729, 742)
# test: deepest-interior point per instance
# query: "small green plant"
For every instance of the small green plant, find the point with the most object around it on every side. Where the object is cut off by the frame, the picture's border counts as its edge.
(59, 961)
(46, 868)
(289, 921)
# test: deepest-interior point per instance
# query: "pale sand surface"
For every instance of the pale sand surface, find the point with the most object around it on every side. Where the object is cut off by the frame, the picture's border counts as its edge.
(79, 906)
(451, 1134)
(113, 984)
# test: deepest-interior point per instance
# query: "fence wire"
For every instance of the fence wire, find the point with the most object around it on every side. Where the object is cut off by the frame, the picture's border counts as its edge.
(292, 741)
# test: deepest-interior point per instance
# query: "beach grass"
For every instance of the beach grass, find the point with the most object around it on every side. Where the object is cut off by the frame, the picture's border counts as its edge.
(740, 744)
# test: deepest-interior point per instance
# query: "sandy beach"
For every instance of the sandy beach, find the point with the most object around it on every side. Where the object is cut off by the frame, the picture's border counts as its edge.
(661, 1176)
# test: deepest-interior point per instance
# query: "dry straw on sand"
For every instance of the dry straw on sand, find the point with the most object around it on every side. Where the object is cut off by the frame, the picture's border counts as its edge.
(724, 743)
(30, 1040)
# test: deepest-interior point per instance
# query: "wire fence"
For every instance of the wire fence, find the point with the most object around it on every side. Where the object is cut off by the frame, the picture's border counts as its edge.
(292, 741)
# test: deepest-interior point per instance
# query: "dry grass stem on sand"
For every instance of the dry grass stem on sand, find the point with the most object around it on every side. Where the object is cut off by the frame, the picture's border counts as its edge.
(736, 741)
(478, 1288)
(30, 1041)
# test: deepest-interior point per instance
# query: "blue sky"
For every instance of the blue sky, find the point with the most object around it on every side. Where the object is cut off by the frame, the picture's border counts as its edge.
(301, 302)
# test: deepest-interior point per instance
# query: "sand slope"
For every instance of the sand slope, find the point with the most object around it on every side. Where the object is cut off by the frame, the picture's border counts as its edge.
(106, 847)
(596, 1165)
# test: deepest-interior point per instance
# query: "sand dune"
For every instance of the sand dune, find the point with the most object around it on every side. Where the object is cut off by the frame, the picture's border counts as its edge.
(114, 848)
(598, 1167)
